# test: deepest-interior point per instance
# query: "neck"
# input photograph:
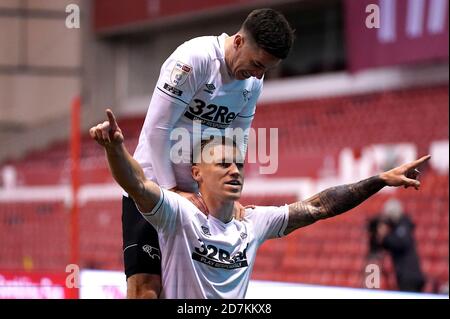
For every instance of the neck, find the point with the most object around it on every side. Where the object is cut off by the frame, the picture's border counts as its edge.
(220, 209)
(229, 52)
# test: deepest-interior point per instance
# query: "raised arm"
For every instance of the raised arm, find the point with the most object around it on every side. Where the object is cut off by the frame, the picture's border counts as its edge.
(337, 200)
(125, 170)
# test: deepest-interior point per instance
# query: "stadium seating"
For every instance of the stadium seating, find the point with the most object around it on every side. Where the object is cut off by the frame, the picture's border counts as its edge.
(35, 234)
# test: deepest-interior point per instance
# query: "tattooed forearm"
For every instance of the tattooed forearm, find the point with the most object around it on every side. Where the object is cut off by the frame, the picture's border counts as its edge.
(332, 201)
(336, 200)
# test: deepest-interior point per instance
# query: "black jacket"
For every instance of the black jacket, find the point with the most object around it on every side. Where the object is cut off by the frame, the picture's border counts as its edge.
(401, 244)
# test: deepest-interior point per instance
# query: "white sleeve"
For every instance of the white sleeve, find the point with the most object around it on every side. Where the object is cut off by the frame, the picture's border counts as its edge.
(169, 208)
(182, 74)
(269, 221)
(176, 86)
(161, 117)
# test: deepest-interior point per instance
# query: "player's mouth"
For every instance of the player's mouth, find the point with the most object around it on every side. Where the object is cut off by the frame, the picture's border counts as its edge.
(234, 182)
(234, 186)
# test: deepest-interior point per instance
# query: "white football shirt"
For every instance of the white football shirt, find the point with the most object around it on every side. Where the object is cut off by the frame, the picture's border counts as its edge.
(202, 257)
(194, 84)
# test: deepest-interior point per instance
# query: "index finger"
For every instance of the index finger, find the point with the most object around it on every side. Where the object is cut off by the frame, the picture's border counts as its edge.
(416, 163)
(111, 119)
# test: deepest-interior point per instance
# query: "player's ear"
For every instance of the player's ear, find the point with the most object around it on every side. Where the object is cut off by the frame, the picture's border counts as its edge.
(238, 41)
(196, 174)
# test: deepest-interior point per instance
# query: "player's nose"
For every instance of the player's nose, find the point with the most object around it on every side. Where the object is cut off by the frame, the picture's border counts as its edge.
(234, 170)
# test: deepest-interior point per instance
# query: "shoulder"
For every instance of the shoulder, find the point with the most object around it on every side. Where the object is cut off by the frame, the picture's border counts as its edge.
(263, 211)
(178, 202)
(199, 51)
(268, 221)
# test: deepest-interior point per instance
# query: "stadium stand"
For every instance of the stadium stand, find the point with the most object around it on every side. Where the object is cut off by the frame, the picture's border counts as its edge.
(34, 234)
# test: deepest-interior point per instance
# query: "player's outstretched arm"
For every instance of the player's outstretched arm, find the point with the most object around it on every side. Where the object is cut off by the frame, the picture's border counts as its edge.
(337, 200)
(124, 168)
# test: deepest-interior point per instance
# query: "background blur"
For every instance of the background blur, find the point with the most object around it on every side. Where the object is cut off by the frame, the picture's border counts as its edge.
(349, 102)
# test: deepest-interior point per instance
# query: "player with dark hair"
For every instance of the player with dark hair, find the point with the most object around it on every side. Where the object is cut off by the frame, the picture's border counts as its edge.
(212, 256)
(215, 80)
(270, 31)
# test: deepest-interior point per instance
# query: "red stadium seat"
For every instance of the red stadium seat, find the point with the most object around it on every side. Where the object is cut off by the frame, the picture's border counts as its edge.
(331, 252)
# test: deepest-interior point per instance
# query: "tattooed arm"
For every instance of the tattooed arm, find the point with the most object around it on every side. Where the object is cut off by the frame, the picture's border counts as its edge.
(337, 200)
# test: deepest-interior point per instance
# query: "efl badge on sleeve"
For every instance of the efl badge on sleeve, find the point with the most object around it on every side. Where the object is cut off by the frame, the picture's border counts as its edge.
(180, 73)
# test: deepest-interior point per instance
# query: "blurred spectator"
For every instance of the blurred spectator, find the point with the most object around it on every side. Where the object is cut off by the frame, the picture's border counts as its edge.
(392, 231)
(9, 177)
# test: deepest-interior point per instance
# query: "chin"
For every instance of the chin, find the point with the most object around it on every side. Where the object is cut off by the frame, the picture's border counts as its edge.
(233, 196)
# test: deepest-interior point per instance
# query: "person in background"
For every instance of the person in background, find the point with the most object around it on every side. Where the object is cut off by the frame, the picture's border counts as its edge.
(395, 234)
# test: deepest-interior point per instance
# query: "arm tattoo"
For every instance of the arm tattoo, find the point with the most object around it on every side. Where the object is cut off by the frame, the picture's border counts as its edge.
(337, 200)
(300, 214)
(332, 201)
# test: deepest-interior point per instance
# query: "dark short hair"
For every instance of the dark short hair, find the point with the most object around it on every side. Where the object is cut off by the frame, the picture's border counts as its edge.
(270, 30)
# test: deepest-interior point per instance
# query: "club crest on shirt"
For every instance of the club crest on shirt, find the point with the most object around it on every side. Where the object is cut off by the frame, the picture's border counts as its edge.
(246, 94)
(180, 73)
(206, 231)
